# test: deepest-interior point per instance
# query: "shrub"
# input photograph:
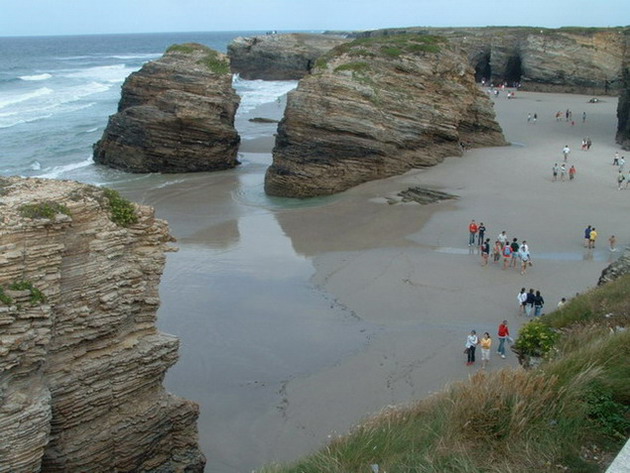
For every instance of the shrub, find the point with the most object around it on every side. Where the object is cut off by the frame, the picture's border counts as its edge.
(5, 299)
(37, 296)
(43, 210)
(353, 66)
(535, 339)
(122, 212)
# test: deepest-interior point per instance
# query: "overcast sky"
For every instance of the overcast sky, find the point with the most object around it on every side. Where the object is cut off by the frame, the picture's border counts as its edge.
(55, 17)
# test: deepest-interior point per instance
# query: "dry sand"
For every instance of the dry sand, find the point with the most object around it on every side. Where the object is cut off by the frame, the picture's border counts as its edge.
(297, 319)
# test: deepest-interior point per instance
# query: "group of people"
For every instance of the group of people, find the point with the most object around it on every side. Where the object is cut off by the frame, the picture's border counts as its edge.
(485, 343)
(562, 172)
(530, 302)
(590, 237)
(620, 162)
(568, 116)
(513, 253)
(586, 143)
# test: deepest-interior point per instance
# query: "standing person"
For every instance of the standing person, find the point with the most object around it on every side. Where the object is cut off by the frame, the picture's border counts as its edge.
(503, 238)
(620, 179)
(482, 233)
(486, 343)
(562, 302)
(496, 251)
(563, 172)
(529, 302)
(539, 302)
(535, 118)
(622, 163)
(587, 236)
(589, 143)
(523, 254)
(612, 243)
(514, 246)
(572, 172)
(471, 345)
(507, 256)
(503, 334)
(472, 232)
(554, 172)
(592, 238)
(583, 117)
(521, 297)
(616, 159)
(529, 117)
(485, 252)
(565, 152)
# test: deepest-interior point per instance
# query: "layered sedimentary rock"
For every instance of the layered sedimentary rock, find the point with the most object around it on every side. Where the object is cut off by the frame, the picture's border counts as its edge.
(623, 107)
(175, 114)
(573, 60)
(279, 56)
(375, 108)
(81, 361)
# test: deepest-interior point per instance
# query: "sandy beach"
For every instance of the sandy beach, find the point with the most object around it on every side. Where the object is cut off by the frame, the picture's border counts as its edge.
(299, 318)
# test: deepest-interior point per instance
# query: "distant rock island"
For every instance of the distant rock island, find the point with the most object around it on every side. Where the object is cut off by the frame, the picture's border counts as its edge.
(81, 360)
(176, 114)
(377, 107)
(279, 56)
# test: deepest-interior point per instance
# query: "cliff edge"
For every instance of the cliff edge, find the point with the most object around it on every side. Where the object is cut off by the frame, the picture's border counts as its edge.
(81, 360)
(175, 114)
(377, 107)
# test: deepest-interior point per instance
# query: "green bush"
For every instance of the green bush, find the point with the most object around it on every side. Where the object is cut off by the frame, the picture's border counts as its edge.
(37, 296)
(43, 210)
(5, 299)
(535, 339)
(122, 212)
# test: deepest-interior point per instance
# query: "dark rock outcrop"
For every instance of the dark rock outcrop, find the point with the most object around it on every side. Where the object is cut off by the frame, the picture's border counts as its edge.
(375, 108)
(175, 115)
(279, 56)
(616, 269)
(81, 360)
(623, 107)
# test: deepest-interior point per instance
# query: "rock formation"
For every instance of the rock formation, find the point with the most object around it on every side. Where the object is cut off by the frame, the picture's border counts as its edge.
(175, 115)
(81, 361)
(616, 269)
(375, 108)
(279, 56)
(623, 107)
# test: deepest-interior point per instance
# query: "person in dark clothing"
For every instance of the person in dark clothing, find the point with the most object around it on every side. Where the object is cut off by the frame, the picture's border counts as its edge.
(538, 304)
(529, 302)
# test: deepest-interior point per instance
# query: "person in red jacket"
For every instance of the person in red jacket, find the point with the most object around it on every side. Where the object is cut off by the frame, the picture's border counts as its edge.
(472, 230)
(503, 335)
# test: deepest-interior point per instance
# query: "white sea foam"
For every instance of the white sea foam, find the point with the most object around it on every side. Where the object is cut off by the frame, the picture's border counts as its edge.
(25, 97)
(257, 92)
(59, 171)
(136, 56)
(112, 74)
(36, 166)
(36, 77)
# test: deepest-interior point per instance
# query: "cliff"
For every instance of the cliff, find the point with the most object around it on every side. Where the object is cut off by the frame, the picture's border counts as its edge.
(279, 56)
(374, 108)
(573, 60)
(175, 114)
(81, 361)
(623, 107)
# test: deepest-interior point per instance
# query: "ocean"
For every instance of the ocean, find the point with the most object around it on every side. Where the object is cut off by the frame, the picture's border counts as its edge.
(56, 94)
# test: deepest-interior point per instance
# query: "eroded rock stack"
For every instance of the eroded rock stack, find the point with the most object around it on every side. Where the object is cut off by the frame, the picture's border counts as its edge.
(175, 114)
(377, 107)
(81, 361)
(279, 56)
(623, 107)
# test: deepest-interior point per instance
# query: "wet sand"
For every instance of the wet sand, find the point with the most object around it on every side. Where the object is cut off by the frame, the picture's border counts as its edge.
(299, 318)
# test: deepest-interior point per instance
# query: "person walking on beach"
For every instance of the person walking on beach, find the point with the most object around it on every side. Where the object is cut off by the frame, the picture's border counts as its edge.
(539, 302)
(486, 343)
(620, 179)
(572, 172)
(471, 344)
(503, 238)
(622, 164)
(592, 238)
(482, 233)
(554, 172)
(562, 302)
(514, 246)
(589, 143)
(472, 232)
(485, 252)
(612, 243)
(521, 297)
(496, 251)
(583, 117)
(587, 236)
(523, 254)
(503, 334)
(507, 255)
(616, 159)
(529, 302)
(563, 172)
(565, 152)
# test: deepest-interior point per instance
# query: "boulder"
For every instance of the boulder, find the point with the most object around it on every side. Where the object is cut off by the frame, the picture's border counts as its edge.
(81, 359)
(175, 114)
(378, 107)
(279, 56)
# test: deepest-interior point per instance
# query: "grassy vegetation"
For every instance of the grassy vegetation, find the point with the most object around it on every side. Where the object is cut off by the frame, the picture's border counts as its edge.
(122, 212)
(43, 210)
(37, 296)
(211, 59)
(353, 67)
(540, 420)
(4, 298)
